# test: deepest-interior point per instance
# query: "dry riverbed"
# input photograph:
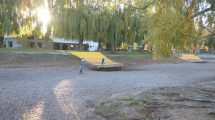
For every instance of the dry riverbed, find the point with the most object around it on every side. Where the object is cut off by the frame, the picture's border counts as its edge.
(182, 91)
(195, 102)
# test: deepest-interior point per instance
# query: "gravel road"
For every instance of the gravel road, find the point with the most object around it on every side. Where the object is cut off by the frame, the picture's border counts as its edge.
(60, 93)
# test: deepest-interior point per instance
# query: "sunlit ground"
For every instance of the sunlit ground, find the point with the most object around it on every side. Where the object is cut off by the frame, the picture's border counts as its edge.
(35, 113)
(62, 89)
(63, 94)
(189, 57)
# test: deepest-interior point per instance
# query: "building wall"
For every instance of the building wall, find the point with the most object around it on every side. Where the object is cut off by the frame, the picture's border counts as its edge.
(29, 43)
(65, 46)
(10, 43)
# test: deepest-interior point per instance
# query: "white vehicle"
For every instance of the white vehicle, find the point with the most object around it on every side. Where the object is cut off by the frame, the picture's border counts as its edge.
(93, 46)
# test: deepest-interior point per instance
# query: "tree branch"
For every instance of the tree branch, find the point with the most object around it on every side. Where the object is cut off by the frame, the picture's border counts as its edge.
(139, 8)
(201, 12)
(192, 36)
(208, 35)
(200, 37)
(208, 30)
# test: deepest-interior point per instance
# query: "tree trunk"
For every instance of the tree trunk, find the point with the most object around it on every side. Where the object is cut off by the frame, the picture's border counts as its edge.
(100, 45)
(1, 36)
(108, 46)
(113, 46)
(47, 35)
(81, 47)
(1, 41)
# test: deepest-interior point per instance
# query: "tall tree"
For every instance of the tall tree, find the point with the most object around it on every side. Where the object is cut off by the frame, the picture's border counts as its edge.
(8, 18)
(166, 27)
(71, 20)
(174, 24)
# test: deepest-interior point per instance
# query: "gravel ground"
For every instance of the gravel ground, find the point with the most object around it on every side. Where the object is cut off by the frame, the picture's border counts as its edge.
(60, 93)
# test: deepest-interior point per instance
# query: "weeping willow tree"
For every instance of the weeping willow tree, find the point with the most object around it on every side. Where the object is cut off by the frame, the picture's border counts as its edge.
(99, 22)
(135, 26)
(210, 30)
(129, 22)
(172, 25)
(165, 27)
(126, 25)
(104, 21)
(207, 29)
(71, 19)
(81, 22)
(114, 30)
(17, 18)
(8, 18)
(29, 22)
(109, 24)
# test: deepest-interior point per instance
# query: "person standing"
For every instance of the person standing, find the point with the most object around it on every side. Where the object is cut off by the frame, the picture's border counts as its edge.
(81, 66)
(103, 61)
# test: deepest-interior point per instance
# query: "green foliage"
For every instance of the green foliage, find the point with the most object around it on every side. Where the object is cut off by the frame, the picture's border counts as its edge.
(8, 16)
(168, 24)
(173, 27)
(104, 21)
(210, 42)
(166, 29)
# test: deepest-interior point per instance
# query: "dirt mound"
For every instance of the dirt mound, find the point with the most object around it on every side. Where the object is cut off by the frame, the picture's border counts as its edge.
(170, 103)
(29, 59)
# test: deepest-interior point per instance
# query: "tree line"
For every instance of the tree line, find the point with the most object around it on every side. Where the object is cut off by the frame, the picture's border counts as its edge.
(168, 25)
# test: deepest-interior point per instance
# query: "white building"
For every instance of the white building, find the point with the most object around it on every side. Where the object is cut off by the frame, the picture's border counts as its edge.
(72, 44)
(11, 42)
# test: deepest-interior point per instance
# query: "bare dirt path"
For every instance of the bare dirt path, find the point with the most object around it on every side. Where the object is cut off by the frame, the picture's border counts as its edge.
(60, 93)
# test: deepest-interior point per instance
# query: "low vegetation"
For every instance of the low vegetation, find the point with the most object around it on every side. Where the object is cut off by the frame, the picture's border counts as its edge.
(161, 103)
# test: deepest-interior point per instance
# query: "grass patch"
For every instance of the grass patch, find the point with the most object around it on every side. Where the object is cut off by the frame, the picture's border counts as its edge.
(36, 59)
(125, 109)
(152, 102)
(27, 50)
(40, 50)
(166, 59)
(145, 111)
(131, 58)
(125, 53)
(107, 109)
(130, 101)
(170, 94)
